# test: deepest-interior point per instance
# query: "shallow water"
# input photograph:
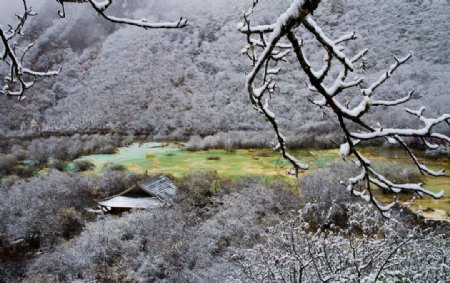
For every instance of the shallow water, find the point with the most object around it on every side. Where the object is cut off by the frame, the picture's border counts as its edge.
(173, 159)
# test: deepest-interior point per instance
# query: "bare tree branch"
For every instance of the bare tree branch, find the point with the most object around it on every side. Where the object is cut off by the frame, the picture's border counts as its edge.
(20, 78)
(300, 14)
(102, 6)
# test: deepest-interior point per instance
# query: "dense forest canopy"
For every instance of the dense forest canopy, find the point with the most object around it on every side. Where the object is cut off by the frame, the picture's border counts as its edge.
(203, 93)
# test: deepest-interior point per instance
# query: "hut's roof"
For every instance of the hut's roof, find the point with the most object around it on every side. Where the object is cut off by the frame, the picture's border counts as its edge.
(131, 202)
(161, 187)
(150, 193)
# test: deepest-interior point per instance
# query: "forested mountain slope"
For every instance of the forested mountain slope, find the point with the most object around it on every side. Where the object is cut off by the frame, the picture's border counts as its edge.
(191, 81)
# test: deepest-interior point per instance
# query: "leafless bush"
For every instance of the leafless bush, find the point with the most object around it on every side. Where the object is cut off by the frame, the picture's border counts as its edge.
(45, 205)
(83, 165)
(115, 167)
(7, 163)
(71, 222)
(400, 173)
(197, 188)
(32, 205)
(311, 135)
(68, 148)
(229, 140)
(325, 186)
(57, 164)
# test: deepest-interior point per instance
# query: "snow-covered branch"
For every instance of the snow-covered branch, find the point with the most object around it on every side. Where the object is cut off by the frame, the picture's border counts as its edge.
(20, 78)
(102, 6)
(393, 102)
(327, 43)
(368, 91)
(271, 38)
(294, 15)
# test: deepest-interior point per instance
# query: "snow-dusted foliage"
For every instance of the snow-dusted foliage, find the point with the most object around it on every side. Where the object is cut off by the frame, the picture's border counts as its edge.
(215, 227)
(37, 208)
(340, 88)
(187, 242)
(366, 248)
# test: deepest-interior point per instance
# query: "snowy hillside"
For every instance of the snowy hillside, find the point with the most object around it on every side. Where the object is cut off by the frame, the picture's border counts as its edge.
(191, 81)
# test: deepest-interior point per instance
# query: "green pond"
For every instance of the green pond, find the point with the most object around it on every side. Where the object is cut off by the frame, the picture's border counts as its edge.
(173, 159)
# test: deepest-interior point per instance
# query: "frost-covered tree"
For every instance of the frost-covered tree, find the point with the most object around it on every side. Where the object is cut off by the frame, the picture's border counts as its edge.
(19, 78)
(368, 248)
(339, 77)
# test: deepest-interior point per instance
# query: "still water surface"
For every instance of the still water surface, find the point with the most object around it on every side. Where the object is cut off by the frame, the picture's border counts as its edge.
(173, 159)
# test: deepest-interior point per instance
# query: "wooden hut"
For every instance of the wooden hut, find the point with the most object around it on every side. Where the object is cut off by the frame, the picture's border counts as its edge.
(151, 193)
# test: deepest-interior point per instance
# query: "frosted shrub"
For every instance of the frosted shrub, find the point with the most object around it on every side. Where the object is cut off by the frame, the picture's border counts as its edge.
(199, 186)
(31, 207)
(194, 143)
(399, 173)
(53, 204)
(40, 151)
(7, 163)
(83, 165)
(190, 241)
(324, 185)
(369, 249)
